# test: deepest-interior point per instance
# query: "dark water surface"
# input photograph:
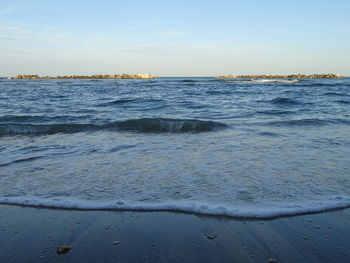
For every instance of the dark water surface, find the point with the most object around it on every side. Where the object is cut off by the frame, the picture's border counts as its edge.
(251, 148)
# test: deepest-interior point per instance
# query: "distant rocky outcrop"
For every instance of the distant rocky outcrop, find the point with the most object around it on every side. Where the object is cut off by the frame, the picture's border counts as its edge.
(122, 76)
(294, 76)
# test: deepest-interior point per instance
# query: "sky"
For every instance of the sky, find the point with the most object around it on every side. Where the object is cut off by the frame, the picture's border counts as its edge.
(174, 37)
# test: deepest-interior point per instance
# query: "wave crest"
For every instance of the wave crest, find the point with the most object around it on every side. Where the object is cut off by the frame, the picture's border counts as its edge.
(145, 125)
(261, 81)
(166, 125)
(274, 81)
(308, 122)
(117, 102)
(284, 101)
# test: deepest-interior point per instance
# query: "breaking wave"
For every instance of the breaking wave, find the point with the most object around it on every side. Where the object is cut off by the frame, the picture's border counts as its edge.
(274, 210)
(288, 81)
(145, 125)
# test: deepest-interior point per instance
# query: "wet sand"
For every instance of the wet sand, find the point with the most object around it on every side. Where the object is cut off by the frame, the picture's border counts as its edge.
(33, 235)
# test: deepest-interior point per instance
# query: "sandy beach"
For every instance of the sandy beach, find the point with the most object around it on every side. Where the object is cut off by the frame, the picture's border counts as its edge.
(33, 235)
(174, 131)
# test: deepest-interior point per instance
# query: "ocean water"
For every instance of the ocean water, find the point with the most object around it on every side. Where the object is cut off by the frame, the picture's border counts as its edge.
(240, 148)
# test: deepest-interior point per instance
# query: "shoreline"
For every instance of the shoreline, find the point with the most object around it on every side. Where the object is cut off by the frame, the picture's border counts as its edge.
(178, 210)
(33, 235)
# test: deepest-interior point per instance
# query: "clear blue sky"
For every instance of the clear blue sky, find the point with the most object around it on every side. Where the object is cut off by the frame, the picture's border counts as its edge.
(174, 38)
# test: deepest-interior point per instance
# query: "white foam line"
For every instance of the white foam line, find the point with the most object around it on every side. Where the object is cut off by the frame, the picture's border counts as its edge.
(252, 212)
(266, 81)
(275, 80)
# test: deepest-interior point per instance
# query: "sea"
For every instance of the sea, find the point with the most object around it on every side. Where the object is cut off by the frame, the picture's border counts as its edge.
(243, 148)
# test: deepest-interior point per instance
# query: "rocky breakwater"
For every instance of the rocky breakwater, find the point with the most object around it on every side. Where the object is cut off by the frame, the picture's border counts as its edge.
(122, 76)
(294, 76)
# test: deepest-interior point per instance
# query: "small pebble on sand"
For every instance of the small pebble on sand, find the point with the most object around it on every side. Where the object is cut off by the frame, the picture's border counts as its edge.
(63, 249)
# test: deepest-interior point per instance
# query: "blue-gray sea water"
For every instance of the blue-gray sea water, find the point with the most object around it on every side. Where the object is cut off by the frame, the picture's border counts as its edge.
(245, 148)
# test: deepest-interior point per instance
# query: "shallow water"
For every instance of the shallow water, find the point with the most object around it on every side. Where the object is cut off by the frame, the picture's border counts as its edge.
(202, 145)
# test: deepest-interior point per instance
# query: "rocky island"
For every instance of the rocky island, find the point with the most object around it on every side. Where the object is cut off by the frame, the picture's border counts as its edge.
(117, 76)
(294, 76)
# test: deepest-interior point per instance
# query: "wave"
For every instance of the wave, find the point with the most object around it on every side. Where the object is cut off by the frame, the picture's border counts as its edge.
(166, 125)
(217, 92)
(307, 122)
(188, 80)
(15, 119)
(285, 101)
(262, 81)
(337, 94)
(275, 112)
(29, 159)
(288, 81)
(145, 125)
(64, 82)
(43, 129)
(116, 102)
(20, 118)
(129, 100)
(270, 134)
(343, 101)
(318, 84)
(274, 210)
(342, 121)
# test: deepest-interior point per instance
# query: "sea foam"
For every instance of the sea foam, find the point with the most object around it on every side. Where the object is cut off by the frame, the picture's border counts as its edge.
(274, 210)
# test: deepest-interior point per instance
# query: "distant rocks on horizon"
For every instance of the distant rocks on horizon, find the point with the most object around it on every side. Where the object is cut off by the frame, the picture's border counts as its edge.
(117, 76)
(294, 76)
